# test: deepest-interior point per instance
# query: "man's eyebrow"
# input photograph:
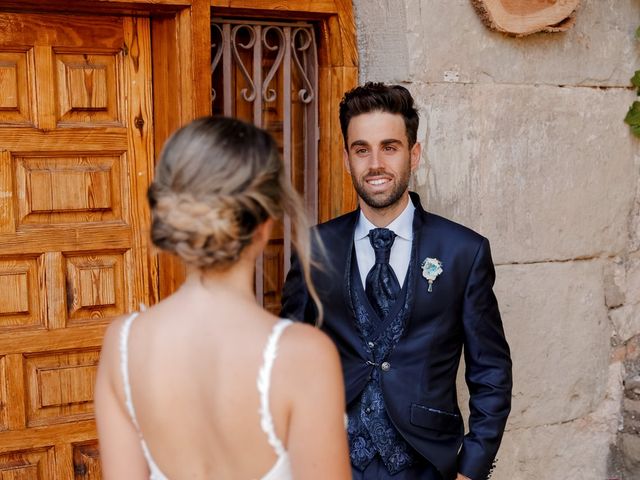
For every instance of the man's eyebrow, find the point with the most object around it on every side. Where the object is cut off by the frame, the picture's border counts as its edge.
(358, 143)
(391, 141)
(385, 142)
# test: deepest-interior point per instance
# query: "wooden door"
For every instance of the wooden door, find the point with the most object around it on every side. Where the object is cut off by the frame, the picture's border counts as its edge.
(75, 162)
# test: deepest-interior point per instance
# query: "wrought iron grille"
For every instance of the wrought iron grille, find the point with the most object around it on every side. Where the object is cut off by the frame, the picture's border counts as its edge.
(267, 73)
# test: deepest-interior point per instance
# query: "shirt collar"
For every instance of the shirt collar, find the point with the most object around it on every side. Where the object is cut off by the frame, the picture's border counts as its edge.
(402, 225)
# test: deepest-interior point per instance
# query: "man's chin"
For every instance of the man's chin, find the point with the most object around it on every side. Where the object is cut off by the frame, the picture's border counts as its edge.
(380, 201)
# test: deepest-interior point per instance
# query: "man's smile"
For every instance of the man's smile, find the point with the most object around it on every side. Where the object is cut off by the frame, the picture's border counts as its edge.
(378, 181)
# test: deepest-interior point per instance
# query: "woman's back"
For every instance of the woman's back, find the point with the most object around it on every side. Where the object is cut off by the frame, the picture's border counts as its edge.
(193, 365)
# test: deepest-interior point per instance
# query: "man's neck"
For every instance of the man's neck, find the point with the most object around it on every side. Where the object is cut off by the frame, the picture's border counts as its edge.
(381, 217)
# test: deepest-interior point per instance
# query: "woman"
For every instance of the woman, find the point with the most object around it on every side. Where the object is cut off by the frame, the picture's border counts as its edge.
(192, 388)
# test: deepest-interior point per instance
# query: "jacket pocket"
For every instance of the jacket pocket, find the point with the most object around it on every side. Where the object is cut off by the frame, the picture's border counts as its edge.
(435, 419)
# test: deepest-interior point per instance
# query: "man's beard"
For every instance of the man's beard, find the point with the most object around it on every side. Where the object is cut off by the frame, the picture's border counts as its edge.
(400, 185)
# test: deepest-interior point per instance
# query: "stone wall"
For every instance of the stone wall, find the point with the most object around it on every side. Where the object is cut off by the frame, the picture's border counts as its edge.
(524, 142)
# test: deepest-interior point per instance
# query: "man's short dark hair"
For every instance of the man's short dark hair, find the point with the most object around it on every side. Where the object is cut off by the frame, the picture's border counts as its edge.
(378, 97)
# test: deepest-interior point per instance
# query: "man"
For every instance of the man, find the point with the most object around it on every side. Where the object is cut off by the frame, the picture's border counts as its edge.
(404, 292)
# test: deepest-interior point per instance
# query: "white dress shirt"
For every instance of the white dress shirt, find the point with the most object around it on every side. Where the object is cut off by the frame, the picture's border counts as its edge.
(402, 226)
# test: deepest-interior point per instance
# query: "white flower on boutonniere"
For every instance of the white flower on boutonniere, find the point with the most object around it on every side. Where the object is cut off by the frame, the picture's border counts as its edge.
(431, 268)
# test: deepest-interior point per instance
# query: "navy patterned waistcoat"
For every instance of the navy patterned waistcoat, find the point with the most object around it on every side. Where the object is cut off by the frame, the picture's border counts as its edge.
(370, 429)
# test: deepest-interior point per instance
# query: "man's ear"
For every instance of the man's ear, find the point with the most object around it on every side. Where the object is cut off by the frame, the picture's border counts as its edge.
(416, 152)
(345, 159)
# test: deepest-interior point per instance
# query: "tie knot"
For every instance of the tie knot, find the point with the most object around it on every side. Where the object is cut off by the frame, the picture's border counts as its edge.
(381, 240)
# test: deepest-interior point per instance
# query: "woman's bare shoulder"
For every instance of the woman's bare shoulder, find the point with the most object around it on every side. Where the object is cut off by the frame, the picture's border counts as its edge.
(307, 349)
(305, 339)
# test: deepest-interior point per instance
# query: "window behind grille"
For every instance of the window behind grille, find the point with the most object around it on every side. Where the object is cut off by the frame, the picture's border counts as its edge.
(267, 73)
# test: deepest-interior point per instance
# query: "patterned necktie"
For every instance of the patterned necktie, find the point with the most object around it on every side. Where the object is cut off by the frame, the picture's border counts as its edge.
(382, 285)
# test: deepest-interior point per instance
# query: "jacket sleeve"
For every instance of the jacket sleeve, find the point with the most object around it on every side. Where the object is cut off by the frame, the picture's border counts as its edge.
(296, 302)
(488, 369)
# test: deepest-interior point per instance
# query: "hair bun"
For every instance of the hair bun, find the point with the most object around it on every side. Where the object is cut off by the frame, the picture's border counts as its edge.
(202, 232)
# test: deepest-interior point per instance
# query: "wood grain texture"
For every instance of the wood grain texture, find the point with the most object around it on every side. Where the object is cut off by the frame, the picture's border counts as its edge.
(18, 100)
(101, 32)
(44, 437)
(182, 71)
(37, 239)
(168, 116)
(524, 17)
(200, 28)
(75, 223)
(62, 339)
(54, 286)
(137, 37)
(120, 7)
(7, 194)
(278, 8)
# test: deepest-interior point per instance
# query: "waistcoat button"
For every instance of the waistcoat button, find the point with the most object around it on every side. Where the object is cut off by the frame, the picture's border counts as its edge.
(385, 366)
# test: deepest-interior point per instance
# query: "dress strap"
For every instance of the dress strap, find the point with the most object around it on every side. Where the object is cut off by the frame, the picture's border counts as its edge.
(264, 384)
(124, 367)
(156, 473)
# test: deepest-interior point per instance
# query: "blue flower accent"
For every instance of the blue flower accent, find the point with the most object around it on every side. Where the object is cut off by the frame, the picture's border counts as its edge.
(431, 269)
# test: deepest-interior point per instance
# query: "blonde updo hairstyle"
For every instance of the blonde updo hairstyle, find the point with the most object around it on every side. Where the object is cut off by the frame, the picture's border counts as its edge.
(217, 179)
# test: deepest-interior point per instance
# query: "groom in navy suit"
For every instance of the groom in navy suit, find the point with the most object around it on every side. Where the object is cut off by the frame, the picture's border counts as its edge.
(405, 293)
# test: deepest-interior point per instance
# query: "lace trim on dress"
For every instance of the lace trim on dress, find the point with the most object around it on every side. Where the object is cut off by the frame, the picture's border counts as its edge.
(264, 385)
(156, 473)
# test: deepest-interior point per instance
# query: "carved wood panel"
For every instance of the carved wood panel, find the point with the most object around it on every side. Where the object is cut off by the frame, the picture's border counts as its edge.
(36, 464)
(75, 162)
(16, 101)
(86, 461)
(22, 300)
(66, 187)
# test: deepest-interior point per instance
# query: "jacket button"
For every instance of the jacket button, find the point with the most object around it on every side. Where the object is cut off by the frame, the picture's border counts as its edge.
(385, 366)
(371, 344)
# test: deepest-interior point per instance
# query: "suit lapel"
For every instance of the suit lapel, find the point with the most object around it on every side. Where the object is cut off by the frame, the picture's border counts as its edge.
(422, 244)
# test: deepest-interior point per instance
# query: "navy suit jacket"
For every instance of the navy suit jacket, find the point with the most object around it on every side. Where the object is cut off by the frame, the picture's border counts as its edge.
(459, 315)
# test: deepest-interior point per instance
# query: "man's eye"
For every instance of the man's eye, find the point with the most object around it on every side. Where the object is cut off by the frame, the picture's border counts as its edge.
(361, 151)
(390, 148)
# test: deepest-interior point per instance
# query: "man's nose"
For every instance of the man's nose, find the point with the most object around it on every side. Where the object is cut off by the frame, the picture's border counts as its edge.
(375, 160)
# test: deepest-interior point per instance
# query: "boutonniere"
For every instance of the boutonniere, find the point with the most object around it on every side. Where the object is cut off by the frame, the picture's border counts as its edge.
(431, 269)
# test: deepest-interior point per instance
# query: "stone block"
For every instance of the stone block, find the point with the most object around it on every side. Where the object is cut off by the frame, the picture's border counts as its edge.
(632, 279)
(532, 168)
(614, 283)
(448, 42)
(630, 445)
(556, 324)
(626, 321)
(571, 450)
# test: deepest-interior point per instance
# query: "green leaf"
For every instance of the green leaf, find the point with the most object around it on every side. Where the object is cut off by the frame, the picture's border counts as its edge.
(635, 80)
(638, 33)
(633, 118)
(633, 115)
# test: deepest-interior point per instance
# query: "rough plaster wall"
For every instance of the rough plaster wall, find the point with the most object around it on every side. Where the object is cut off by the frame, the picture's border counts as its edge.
(524, 142)
(381, 26)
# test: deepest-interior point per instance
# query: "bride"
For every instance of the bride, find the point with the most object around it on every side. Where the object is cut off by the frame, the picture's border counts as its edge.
(206, 384)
